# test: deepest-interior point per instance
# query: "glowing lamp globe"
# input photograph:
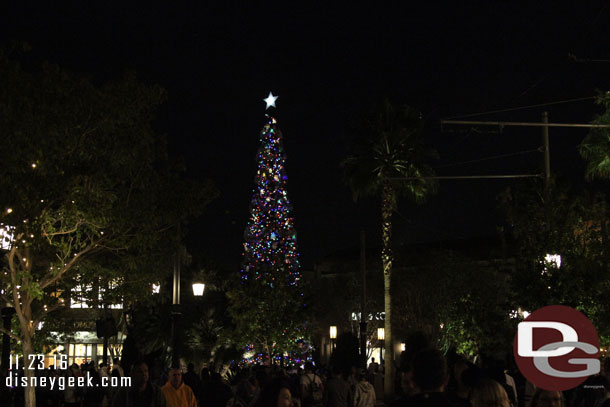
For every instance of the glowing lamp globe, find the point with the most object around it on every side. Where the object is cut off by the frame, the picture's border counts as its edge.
(333, 332)
(198, 289)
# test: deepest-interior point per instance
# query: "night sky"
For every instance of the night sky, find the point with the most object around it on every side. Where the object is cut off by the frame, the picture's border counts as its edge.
(329, 64)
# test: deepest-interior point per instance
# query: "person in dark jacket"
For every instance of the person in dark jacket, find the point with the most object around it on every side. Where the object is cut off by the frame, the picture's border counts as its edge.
(142, 392)
(192, 380)
(430, 378)
(336, 391)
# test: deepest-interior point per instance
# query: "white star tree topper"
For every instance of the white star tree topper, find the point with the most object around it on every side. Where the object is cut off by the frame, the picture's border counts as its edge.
(270, 100)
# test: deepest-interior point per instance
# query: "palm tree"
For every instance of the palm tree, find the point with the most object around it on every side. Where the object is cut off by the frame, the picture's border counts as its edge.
(388, 158)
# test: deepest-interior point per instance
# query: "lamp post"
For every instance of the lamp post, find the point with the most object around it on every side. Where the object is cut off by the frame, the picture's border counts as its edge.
(7, 315)
(333, 336)
(198, 289)
(175, 311)
(380, 339)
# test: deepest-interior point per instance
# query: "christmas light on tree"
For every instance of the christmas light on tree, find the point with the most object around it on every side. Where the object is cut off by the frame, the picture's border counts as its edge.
(270, 249)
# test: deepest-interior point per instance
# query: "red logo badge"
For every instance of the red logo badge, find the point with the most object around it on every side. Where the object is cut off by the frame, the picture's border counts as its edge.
(556, 348)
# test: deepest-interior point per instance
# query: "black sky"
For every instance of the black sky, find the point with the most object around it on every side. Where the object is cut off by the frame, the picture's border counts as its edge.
(329, 64)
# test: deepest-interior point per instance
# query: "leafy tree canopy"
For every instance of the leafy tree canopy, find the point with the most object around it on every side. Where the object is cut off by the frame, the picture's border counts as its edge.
(87, 190)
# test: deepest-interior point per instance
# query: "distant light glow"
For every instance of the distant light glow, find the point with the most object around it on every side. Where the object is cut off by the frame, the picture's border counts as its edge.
(156, 288)
(553, 258)
(380, 334)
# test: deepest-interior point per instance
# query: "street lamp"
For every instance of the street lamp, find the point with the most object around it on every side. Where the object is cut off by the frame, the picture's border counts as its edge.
(380, 339)
(333, 336)
(198, 289)
(175, 311)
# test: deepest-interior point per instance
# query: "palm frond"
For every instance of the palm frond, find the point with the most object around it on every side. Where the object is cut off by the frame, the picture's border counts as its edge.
(390, 145)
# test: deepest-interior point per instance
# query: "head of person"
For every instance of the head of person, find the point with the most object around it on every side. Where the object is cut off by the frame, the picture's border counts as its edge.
(139, 374)
(276, 393)
(190, 367)
(116, 362)
(406, 381)
(489, 393)
(548, 398)
(246, 388)
(174, 376)
(309, 367)
(362, 375)
(430, 370)
(336, 372)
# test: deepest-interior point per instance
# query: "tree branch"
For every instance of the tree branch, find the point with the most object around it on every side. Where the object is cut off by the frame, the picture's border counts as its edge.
(47, 280)
(11, 265)
(11, 334)
(63, 232)
(46, 312)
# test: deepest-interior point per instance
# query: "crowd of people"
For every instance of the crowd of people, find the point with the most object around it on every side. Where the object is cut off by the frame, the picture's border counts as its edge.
(427, 378)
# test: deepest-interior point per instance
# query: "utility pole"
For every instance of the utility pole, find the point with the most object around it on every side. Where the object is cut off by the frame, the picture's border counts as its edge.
(363, 300)
(547, 154)
(545, 142)
(547, 171)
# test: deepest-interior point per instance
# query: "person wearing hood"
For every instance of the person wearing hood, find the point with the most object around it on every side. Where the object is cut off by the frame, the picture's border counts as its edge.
(364, 393)
(176, 392)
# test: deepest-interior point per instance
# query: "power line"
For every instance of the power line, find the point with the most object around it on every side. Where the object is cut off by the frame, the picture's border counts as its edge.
(536, 150)
(527, 124)
(522, 107)
(503, 176)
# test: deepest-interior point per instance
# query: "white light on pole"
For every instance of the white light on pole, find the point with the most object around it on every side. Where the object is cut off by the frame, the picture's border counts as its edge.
(333, 332)
(198, 289)
(380, 334)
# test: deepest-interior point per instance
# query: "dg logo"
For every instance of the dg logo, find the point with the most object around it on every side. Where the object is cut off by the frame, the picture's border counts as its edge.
(556, 348)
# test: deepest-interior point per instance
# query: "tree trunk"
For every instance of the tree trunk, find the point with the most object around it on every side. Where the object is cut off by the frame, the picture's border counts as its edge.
(387, 206)
(28, 349)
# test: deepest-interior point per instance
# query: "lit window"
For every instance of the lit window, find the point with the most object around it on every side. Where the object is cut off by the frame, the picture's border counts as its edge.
(78, 299)
(6, 237)
(111, 286)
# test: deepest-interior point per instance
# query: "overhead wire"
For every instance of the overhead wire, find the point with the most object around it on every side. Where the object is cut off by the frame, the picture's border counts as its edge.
(521, 107)
(495, 157)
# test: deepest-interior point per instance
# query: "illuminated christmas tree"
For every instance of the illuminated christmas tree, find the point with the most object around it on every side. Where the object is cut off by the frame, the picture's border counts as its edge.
(270, 248)
(268, 306)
